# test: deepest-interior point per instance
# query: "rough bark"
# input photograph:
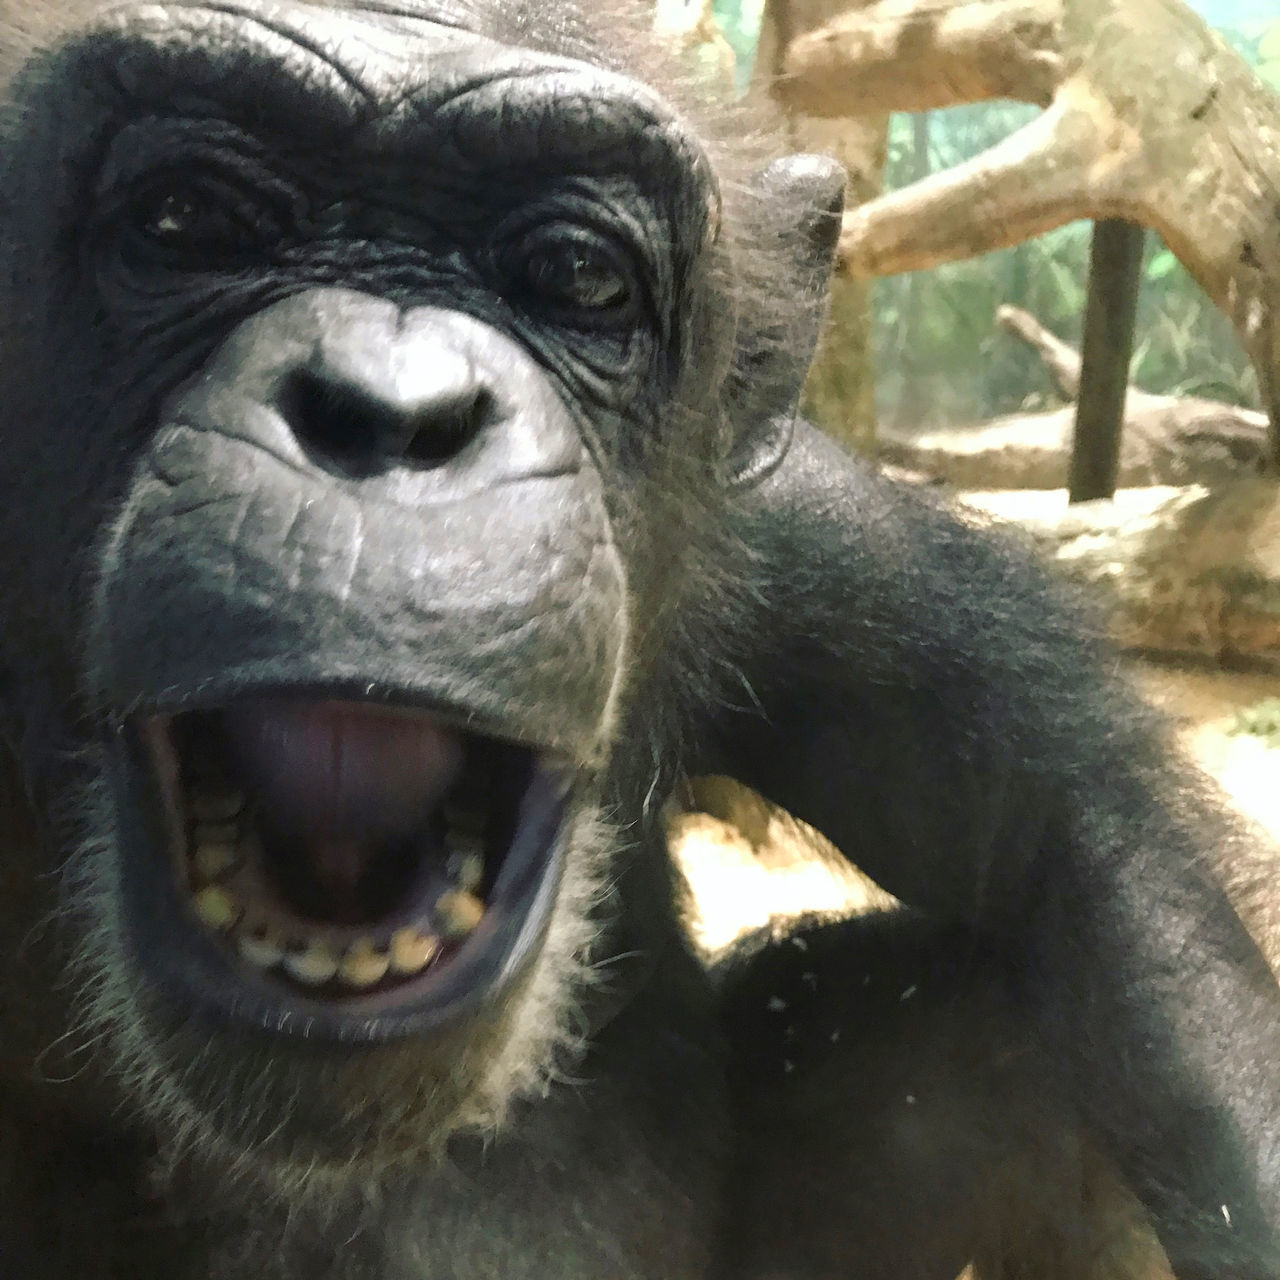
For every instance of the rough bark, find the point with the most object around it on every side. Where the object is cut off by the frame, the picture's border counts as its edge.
(1149, 116)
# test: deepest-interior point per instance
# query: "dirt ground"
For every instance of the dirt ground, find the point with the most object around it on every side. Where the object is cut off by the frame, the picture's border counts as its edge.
(763, 865)
(1206, 705)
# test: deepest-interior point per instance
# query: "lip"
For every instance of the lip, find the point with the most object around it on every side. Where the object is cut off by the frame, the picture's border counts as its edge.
(196, 969)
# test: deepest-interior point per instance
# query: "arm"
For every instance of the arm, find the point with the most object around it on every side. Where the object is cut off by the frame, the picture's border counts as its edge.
(924, 695)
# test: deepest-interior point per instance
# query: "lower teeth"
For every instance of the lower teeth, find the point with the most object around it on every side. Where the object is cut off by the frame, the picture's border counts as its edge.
(457, 914)
(313, 967)
(262, 953)
(215, 861)
(412, 951)
(364, 965)
(217, 908)
(218, 850)
(216, 804)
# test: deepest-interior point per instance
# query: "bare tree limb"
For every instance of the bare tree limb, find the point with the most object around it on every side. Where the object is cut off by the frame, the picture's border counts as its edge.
(1026, 185)
(925, 56)
(1062, 362)
(1150, 117)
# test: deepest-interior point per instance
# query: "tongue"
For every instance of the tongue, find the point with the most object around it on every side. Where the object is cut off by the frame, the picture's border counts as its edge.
(342, 779)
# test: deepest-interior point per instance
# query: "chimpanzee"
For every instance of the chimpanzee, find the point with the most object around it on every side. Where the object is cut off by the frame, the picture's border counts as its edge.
(403, 494)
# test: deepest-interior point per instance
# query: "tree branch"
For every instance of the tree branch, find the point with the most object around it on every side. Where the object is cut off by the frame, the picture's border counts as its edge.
(1151, 117)
(1062, 362)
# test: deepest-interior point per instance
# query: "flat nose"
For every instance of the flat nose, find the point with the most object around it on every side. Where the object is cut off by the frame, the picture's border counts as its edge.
(380, 389)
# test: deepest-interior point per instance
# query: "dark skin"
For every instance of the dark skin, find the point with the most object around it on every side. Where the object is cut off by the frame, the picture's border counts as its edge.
(399, 416)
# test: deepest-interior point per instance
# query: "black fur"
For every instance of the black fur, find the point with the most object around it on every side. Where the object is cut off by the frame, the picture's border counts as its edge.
(298, 408)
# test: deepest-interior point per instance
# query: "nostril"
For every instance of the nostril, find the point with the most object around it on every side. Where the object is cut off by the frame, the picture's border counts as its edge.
(436, 434)
(332, 418)
(363, 432)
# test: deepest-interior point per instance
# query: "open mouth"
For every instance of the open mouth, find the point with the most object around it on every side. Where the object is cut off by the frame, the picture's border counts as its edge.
(344, 850)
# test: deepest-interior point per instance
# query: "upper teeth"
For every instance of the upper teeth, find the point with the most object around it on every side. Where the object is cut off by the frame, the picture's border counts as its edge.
(465, 867)
(217, 908)
(214, 804)
(215, 859)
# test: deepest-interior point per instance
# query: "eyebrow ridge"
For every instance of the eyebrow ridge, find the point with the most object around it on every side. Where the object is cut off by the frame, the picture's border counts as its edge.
(293, 36)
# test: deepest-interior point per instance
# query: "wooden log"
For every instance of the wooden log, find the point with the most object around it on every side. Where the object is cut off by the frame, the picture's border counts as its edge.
(1165, 440)
(1186, 571)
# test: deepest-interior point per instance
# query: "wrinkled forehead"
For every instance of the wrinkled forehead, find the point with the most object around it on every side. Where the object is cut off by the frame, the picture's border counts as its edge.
(49, 19)
(387, 69)
(382, 49)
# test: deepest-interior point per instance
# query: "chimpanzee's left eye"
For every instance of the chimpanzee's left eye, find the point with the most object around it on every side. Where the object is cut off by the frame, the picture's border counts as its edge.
(571, 271)
(569, 275)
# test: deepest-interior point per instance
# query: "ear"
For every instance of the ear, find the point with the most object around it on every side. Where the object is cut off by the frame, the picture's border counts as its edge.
(793, 230)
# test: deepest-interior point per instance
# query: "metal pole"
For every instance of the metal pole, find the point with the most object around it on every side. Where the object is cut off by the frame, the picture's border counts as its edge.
(1115, 270)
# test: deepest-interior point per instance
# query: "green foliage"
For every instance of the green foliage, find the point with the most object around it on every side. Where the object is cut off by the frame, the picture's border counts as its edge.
(740, 22)
(1269, 54)
(940, 357)
(1261, 720)
(1258, 42)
